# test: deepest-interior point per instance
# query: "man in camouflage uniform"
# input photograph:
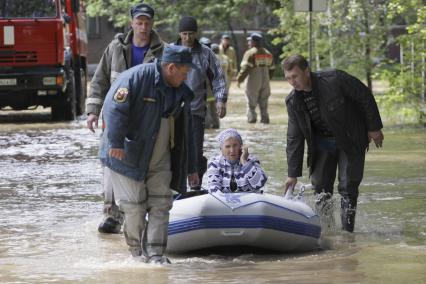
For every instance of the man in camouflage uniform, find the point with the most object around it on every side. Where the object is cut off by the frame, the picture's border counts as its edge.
(141, 44)
(226, 49)
(257, 66)
(212, 119)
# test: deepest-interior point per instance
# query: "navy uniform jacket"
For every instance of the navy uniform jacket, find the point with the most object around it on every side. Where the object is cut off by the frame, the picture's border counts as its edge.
(132, 113)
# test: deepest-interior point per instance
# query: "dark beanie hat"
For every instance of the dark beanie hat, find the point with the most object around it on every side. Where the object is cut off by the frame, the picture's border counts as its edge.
(188, 24)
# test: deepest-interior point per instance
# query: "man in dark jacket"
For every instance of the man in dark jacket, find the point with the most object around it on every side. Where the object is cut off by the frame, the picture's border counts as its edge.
(337, 116)
(206, 68)
(147, 147)
(140, 45)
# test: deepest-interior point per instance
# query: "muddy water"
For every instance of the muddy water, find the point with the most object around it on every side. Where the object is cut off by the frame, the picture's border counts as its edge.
(50, 205)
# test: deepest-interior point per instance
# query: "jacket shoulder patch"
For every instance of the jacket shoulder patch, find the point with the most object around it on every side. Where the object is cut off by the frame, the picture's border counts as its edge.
(121, 95)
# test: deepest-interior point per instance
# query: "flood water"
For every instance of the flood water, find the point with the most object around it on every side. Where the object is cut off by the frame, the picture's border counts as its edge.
(51, 204)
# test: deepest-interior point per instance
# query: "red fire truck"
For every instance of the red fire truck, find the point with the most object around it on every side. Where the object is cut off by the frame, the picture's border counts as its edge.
(43, 56)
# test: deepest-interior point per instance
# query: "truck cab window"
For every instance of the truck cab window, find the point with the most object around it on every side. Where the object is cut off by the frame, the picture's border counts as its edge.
(28, 9)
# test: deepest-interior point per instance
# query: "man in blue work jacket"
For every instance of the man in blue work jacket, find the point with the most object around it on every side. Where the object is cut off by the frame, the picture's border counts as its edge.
(148, 149)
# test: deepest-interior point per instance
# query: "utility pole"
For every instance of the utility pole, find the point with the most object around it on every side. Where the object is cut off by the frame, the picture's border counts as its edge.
(310, 6)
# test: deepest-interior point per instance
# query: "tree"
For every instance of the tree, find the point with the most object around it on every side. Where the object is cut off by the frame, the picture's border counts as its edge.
(350, 35)
(216, 15)
(406, 94)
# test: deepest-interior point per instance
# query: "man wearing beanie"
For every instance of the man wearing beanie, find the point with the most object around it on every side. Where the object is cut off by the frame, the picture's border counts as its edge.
(141, 44)
(207, 69)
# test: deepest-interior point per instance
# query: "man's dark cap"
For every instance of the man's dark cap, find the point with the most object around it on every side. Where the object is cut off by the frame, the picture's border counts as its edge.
(177, 54)
(142, 9)
(255, 37)
(188, 24)
(226, 36)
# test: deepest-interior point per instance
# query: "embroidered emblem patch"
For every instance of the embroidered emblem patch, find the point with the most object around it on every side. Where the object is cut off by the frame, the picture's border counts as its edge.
(121, 95)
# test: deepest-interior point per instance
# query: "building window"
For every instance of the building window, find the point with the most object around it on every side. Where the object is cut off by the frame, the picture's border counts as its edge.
(93, 27)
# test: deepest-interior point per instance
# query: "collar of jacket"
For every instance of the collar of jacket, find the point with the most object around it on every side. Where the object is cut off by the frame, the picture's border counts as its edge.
(159, 81)
(155, 40)
(314, 85)
(314, 82)
(196, 48)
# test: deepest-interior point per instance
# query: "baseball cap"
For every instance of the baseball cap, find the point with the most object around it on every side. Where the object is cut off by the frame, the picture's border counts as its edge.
(177, 54)
(255, 37)
(142, 10)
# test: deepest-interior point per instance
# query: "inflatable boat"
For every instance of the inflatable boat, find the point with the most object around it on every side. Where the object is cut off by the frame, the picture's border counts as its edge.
(256, 220)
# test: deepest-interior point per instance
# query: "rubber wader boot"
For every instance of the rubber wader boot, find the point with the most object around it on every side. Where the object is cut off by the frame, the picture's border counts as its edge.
(251, 116)
(264, 119)
(159, 259)
(347, 213)
(109, 226)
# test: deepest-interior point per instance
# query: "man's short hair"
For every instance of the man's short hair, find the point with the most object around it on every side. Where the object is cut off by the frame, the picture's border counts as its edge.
(293, 61)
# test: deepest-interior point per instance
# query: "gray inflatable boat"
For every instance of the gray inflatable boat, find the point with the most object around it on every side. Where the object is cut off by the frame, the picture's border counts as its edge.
(257, 220)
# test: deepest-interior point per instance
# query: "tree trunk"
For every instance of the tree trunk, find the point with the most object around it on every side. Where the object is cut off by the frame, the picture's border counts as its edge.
(368, 67)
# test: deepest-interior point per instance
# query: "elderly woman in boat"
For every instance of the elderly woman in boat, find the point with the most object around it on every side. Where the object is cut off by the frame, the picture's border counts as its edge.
(235, 170)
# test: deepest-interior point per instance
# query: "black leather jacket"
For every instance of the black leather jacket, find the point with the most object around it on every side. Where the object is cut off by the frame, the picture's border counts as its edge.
(348, 108)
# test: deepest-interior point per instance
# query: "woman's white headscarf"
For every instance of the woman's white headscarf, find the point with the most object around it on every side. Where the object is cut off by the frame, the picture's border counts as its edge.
(228, 133)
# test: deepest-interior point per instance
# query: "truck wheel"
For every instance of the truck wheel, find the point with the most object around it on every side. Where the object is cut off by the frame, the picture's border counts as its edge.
(81, 86)
(66, 108)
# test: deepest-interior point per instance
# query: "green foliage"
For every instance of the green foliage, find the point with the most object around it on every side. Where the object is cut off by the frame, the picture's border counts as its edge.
(217, 14)
(406, 94)
(352, 35)
(341, 35)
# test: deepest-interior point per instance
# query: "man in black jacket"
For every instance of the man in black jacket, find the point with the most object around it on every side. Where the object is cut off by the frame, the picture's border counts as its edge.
(337, 116)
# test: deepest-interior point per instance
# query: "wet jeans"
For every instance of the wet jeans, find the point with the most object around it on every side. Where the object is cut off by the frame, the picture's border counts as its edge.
(329, 159)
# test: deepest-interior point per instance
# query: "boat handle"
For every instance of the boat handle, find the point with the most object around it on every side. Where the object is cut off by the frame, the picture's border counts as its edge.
(232, 233)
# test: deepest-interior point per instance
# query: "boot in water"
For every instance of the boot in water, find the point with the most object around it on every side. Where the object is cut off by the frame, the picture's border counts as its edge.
(347, 213)
(109, 226)
(159, 259)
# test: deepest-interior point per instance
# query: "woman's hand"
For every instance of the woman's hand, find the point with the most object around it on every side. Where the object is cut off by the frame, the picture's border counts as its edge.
(244, 155)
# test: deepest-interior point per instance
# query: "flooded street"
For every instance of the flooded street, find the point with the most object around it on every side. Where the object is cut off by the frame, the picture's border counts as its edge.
(51, 204)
